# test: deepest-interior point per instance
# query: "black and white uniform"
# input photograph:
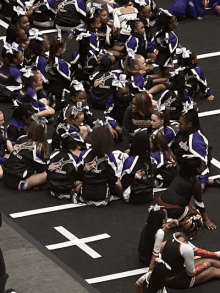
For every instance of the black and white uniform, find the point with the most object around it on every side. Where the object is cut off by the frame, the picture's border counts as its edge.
(102, 88)
(180, 257)
(62, 171)
(10, 82)
(177, 196)
(71, 13)
(138, 180)
(44, 13)
(131, 122)
(22, 163)
(98, 175)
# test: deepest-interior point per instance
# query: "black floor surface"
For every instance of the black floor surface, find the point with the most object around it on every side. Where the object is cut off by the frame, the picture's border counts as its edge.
(121, 221)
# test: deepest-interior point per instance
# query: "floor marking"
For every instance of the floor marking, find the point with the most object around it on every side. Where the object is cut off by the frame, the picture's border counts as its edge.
(73, 240)
(117, 276)
(46, 210)
(208, 55)
(215, 163)
(209, 113)
(4, 24)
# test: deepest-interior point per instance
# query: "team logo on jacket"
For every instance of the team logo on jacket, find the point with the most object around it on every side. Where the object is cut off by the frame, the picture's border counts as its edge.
(101, 81)
(184, 146)
(169, 102)
(58, 166)
(94, 164)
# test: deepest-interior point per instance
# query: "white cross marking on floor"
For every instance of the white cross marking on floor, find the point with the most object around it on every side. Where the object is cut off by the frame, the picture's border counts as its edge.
(73, 240)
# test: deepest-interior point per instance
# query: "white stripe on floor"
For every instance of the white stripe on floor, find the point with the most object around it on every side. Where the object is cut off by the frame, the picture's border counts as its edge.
(46, 210)
(209, 113)
(117, 276)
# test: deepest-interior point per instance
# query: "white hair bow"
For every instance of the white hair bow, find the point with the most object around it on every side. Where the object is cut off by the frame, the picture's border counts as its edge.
(83, 35)
(19, 10)
(77, 109)
(187, 106)
(10, 47)
(185, 53)
(42, 120)
(131, 53)
(165, 11)
(155, 208)
(34, 34)
(78, 86)
(99, 123)
(27, 72)
(121, 82)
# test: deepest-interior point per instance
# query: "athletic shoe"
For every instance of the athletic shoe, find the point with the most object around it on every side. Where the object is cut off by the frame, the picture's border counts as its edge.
(217, 182)
(75, 198)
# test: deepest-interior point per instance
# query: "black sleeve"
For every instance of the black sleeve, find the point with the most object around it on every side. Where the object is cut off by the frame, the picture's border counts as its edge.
(126, 128)
(12, 133)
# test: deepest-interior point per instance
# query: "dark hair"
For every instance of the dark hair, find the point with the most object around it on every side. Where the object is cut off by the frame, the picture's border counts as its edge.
(91, 21)
(189, 166)
(35, 46)
(192, 116)
(141, 147)
(177, 83)
(164, 21)
(106, 63)
(102, 141)
(160, 144)
(36, 134)
(69, 143)
(133, 24)
(147, 238)
(17, 18)
(8, 58)
(144, 104)
(23, 111)
(122, 2)
(163, 115)
(186, 62)
(55, 45)
(12, 33)
(158, 278)
(29, 81)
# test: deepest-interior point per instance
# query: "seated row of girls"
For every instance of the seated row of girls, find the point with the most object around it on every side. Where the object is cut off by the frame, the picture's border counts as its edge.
(193, 9)
(183, 270)
(150, 164)
(25, 168)
(195, 81)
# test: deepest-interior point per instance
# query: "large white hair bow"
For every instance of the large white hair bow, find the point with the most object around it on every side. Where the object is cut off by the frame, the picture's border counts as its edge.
(78, 86)
(34, 34)
(187, 106)
(19, 10)
(10, 47)
(27, 72)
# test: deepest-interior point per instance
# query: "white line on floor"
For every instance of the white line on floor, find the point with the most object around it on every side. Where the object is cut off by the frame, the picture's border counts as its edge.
(209, 113)
(215, 163)
(117, 276)
(78, 242)
(4, 24)
(46, 210)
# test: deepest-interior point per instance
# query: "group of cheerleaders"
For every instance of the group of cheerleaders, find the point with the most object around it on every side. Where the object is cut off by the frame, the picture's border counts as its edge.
(112, 68)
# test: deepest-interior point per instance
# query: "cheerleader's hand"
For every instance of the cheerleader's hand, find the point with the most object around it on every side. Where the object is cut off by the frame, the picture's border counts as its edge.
(113, 133)
(173, 224)
(199, 18)
(70, 36)
(118, 129)
(211, 98)
(208, 224)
